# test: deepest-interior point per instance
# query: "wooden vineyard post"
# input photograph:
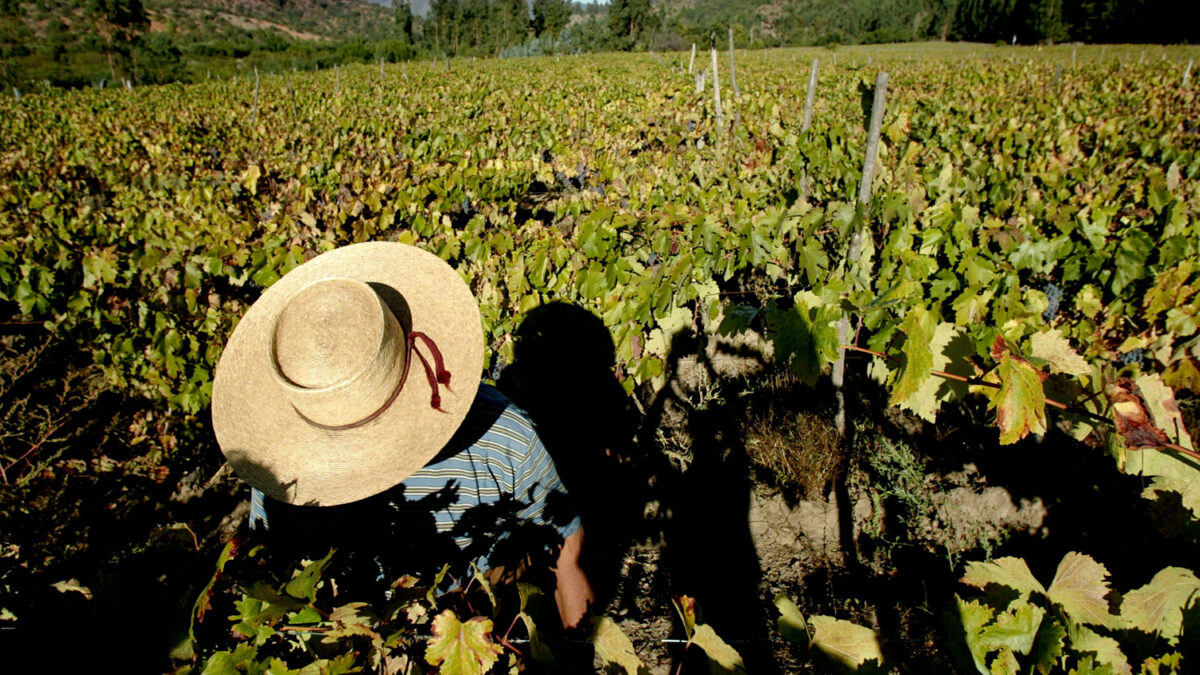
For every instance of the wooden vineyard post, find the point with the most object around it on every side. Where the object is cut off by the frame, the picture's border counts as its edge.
(16, 93)
(381, 82)
(732, 72)
(812, 95)
(693, 61)
(1058, 78)
(856, 239)
(809, 100)
(1187, 73)
(337, 80)
(717, 90)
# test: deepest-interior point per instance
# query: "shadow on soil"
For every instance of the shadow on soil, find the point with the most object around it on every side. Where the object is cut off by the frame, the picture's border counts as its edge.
(664, 484)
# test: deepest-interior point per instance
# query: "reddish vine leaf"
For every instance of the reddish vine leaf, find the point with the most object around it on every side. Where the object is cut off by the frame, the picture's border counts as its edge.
(1131, 416)
(1020, 402)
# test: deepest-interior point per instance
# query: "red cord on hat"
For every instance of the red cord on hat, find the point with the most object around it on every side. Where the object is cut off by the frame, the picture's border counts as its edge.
(442, 376)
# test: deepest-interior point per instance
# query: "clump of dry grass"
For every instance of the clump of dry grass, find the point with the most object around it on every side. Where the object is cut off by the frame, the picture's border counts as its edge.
(798, 452)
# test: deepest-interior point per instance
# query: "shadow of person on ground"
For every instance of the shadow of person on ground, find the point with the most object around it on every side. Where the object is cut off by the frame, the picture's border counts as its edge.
(709, 552)
(563, 375)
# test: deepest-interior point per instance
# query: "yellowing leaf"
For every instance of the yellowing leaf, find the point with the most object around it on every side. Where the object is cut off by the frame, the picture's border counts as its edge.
(1005, 663)
(719, 652)
(459, 648)
(1011, 572)
(1080, 585)
(791, 621)
(250, 177)
(1184, 375)
(845, 642)
(1160, 403)
(72, 585)
(613, 647)
(918, 328)
(1053, 347)
(1020, 402)
(1158, 606)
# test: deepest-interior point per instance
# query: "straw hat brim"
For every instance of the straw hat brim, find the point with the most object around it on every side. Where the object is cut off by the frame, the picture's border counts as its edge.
(268, 443)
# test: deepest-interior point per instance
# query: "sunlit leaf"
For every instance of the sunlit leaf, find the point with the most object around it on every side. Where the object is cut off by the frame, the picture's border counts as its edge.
(844, 641)
(1080, 586)
(1158, 606)
(613, 647)
(462, 648)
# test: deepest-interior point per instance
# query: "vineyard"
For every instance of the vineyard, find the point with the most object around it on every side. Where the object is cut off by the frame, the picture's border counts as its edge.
(1021, 267)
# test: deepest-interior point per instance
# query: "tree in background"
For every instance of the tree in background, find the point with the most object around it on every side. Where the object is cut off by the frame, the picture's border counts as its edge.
(404, 19)
(630, 22)
(120, 23)
(550, 16)
(12, 37)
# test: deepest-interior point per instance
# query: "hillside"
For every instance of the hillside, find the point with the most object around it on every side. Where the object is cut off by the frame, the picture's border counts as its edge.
(297, 19)
(68, 42)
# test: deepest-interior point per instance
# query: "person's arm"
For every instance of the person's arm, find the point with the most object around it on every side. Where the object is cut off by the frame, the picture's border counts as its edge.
(573, 593)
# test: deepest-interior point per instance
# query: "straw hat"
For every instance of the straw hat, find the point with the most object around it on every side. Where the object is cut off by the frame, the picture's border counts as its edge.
(348, 374)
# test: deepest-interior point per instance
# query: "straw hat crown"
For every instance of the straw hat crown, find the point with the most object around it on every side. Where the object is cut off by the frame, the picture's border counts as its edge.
(348, 374)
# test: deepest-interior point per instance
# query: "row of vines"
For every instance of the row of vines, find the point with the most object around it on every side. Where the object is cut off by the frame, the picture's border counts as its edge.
(1033, 235)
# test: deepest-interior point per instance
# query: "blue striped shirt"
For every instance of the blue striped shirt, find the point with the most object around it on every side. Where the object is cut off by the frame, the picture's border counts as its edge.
(493, 491)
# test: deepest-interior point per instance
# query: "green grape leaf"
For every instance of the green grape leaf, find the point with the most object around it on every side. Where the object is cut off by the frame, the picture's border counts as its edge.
(613, 647)
(461, 648)
(918, 328)
(845, 642)
(791, 622)
(1088, 302)
(796, 341)
(1052, 347)
(1129, 262)
(1047, 647)
(1020, 402)
(719, 652)
(1014, 629)
(303, 585)
(736, 319)
(1107, 651)
(1158, 606)
(1080, 586)
(1010, 572)
(950, 348)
